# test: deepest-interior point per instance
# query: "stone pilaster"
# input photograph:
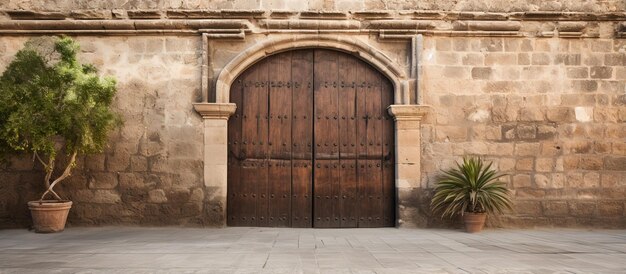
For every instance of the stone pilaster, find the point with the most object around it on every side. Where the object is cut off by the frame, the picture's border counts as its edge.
(215, 117)
(408, 173)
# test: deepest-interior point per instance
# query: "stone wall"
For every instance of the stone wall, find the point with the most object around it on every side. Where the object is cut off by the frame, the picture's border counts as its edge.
(343, 5)
(549, 112)
(151, 173)
(542, 94)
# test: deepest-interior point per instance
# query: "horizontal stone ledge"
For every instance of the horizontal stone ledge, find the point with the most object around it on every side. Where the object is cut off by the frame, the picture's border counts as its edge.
(373, 14)
(571, 26)
(410, 34)
(310, 24)
(408, 112)
(283, 14)
(487, 25)
(215, 110)
(567, 16)
(401, 24)
(120, 24)
(176, 32)
(322, 15)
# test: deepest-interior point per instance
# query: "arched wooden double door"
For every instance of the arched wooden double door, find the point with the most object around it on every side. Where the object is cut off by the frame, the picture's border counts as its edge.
(311, 143)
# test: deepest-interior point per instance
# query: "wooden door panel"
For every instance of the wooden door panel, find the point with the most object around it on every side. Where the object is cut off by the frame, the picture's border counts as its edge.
(280, 118)
(311, 143)
(326, 213)
(389, 189)
(279, 193)
(348, 210)
(301, 198)
(302, 102)
(302, 138)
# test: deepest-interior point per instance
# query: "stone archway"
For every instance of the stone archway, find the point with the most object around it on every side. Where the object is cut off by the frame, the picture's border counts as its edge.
(354, 47)
(311, 143)
(406, 131)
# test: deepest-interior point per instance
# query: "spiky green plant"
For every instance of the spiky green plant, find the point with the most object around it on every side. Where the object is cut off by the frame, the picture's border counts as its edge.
(51, 103)
(473, 187)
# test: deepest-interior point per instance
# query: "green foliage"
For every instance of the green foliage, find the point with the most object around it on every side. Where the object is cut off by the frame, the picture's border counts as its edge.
(47, 98)
(470, 187)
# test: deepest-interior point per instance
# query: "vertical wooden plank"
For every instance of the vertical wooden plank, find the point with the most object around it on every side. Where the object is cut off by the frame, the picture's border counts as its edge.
(326, 139)
(375, 146)
(347, 140)
(302, 135)
(257, 129)
(234, 140)
(280, 191)
(279, 142)
(301, 201)
(362, 206)
(389, 187)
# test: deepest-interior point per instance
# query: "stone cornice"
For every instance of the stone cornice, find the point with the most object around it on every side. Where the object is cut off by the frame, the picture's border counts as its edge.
(215, 110)
(407, 112)
(360, 15)
(235, 24)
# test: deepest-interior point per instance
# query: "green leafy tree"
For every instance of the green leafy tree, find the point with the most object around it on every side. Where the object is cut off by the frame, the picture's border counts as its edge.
(472, 187)
(51, 104)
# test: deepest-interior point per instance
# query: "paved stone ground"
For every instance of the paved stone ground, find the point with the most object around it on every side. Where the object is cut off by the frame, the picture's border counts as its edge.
(280, 250)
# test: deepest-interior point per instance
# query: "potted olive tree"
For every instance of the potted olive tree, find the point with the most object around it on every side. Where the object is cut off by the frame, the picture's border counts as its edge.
(50, 105)
(471, 190)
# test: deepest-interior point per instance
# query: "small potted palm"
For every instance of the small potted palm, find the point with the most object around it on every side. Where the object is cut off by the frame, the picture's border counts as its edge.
(471, 190)
(50, 106)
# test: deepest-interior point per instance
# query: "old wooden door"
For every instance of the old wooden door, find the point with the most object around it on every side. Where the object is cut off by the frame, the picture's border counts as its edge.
(311, 143)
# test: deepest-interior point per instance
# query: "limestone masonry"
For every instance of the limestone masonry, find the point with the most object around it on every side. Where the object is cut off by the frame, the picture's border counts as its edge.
(537, 87)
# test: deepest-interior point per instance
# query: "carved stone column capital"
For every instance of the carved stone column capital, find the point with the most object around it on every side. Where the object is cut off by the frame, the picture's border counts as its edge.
(407, 112)
(215, 110)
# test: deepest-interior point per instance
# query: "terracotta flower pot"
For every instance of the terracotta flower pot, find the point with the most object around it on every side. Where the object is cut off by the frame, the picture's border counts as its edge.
(49, 215)
(474, 222)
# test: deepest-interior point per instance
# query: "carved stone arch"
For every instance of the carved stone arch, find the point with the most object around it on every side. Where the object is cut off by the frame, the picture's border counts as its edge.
(363, 51)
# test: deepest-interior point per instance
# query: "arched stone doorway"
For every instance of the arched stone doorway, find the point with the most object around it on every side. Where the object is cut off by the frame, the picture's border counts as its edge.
(217, 112)
(311, 143)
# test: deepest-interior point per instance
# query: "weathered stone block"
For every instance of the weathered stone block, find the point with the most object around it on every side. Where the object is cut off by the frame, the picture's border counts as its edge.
(555, 208)
(583, 85)
(103, 180)
(524, 164)
(574, 180)
(131, 181)
(582, 209)
(95, 162)
(540, 59)
(491, 44)
(528, 208)
(568, 59)
(106, 197)
(522, 180)
(447, 58)
(473, 59)
(615, 163)
(615, 59)
(500, 59)
(577, 72)
(523, 59)
(526, 132)
(611, 208)
(591, 180)
(601, 72)
(482, 73)
(451, 133)
(544, 165)
(590, 162)
(157, 196)
(506, 164)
